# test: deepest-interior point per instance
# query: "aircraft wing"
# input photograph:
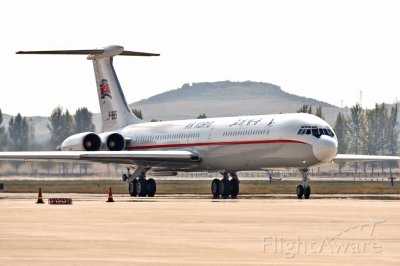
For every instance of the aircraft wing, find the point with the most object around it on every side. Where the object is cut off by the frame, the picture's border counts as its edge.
(346, 158)
(149, 158)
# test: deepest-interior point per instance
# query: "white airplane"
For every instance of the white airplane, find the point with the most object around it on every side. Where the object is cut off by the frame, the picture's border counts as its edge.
(226, 145)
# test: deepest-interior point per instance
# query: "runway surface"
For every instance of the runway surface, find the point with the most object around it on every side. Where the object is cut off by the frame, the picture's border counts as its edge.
(197, 230)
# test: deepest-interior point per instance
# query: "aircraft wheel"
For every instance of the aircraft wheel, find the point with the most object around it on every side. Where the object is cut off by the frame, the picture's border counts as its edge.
(141, 187)
(132, 188)
(215, 187)
(224, 188)
(151, 187)
(307, 192)
(234, 186)
(300, 191)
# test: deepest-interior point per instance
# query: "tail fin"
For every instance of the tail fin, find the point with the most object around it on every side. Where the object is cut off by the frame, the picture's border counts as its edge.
(115, 112)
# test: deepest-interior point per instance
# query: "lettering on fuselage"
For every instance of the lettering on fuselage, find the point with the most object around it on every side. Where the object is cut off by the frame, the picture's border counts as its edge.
(245, 122)
(205, 124)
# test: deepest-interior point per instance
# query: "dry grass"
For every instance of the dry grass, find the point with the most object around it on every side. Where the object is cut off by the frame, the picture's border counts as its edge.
(200, 187)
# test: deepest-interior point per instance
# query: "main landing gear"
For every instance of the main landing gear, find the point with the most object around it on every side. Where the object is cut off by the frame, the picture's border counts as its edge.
(304, 189)
(225, 187)
(138, 184)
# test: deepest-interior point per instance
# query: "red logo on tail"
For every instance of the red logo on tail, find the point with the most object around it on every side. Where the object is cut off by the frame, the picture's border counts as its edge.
(104, 89)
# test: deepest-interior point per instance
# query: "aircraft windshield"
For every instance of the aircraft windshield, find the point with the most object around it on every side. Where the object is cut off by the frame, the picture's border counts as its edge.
(315, 131)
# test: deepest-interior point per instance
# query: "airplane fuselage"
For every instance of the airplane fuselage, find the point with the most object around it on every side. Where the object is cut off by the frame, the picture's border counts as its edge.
(239, 143)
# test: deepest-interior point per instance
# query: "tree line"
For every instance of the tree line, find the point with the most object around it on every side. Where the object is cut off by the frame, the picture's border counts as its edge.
(308, 109)
(20, 132)
(62, 124)
(369, 131)
(18, 135)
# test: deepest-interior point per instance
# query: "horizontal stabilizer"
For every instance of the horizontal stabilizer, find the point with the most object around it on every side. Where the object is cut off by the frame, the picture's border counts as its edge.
(108, 51)
(85, 52)
(82, 52)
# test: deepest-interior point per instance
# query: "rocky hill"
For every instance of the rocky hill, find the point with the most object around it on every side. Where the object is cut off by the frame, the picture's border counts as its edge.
(225, 98)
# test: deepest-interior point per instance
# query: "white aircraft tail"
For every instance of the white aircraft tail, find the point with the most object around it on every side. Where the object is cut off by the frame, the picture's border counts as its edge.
(115, 112)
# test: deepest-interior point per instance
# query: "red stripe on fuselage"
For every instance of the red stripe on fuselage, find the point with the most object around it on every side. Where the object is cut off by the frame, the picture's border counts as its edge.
(179, 145)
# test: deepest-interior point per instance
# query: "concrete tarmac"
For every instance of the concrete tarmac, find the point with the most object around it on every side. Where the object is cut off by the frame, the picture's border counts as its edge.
(198, 230)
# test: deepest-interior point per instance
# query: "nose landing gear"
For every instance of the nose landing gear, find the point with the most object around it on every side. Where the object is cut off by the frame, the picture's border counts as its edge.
(304, 189)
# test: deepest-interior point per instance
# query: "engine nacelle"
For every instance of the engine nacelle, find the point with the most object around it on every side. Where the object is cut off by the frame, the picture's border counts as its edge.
(112, 141)
(86, 141)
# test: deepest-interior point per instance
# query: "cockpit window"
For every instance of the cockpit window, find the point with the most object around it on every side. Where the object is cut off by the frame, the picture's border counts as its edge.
(315, 131)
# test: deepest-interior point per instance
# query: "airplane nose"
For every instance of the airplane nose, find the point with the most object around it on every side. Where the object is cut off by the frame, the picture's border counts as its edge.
(325, 149)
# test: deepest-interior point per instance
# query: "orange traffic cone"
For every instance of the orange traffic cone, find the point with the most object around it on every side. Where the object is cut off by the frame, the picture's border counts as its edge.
(40, 198)
(110, 196)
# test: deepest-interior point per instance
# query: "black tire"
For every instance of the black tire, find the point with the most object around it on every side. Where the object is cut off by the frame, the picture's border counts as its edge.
(141, 187)
(234, 188)
(215, 188)
(132, 188)
(300, 191)
(307, 192)
(224, 188)
(151, 187)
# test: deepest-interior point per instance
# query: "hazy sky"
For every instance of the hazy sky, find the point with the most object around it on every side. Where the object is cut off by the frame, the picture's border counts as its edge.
(328, 50)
